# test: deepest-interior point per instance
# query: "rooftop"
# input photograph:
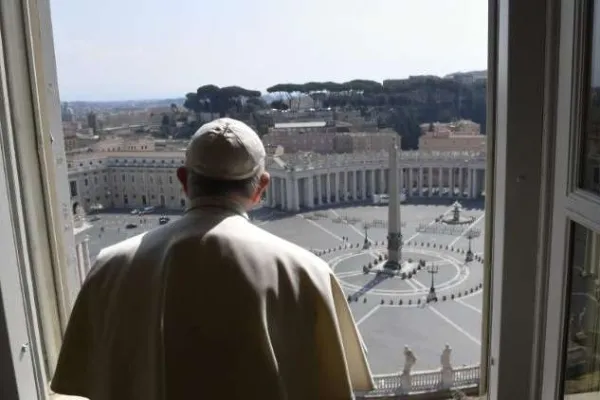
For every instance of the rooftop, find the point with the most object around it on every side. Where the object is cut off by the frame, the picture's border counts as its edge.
(299, 125)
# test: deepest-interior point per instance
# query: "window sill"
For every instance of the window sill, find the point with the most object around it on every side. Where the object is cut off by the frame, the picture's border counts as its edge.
(55, 396)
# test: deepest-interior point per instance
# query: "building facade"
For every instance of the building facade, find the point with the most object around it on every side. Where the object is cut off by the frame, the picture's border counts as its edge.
(324, 142)
(455, 136)
(303, 180)
(300, 181)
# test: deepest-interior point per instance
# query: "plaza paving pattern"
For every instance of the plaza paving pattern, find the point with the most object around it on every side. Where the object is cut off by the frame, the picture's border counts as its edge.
(392, 312)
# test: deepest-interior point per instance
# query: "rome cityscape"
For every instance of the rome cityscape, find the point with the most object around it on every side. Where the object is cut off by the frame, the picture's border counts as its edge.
(331, 159)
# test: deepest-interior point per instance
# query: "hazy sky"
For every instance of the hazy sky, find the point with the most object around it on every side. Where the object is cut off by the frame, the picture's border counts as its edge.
(134, 49)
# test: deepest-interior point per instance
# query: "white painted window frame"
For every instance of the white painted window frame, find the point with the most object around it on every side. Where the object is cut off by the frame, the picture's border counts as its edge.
(525, 94)
(571, 204)
(34, 158)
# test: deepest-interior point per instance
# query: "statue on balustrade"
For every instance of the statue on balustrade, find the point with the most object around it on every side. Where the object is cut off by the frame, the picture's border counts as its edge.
(447, 371)
(409, 360)
(445, 358)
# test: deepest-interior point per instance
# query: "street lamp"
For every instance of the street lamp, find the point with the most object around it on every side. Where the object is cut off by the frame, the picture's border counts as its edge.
(470, 235)
(367, 243)
(432, 269)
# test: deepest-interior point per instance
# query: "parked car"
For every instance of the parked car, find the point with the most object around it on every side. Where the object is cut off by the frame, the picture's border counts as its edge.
(163, 219)
(130, 226)
(146, 210)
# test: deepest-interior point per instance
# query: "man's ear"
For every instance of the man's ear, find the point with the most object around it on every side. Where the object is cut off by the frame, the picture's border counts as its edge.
(263, 183)
(182, 175)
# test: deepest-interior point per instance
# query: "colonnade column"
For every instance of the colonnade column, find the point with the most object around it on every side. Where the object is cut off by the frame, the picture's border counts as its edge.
(296, 194)
(271, 194)
(289, 194)
(460, 182)
(420, 185)
(319, 189)
(440, 181)
(373, 189)
(381, 181)
(310, 192)
(363, 184)
(410, 181)
(268, 194)
(274, 193)
(430, 182)
(336, 184)
(345, 186)
(470, 182)
(328, 188)
(451, 181)
(282, 192)
(402, 180)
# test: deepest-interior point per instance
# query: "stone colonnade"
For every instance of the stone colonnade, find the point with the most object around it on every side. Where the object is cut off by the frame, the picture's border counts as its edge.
(293, 190)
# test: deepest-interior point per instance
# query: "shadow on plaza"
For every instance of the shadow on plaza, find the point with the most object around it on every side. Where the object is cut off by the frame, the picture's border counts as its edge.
(475, 204)
(370, 285)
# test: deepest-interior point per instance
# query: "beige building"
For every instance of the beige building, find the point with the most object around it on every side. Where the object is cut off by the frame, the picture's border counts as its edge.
(126, 179)
(124, 143)
(303, 127)
(324, 142)
(364, 142)
(454, 136)
(317, 140)
(70, 130)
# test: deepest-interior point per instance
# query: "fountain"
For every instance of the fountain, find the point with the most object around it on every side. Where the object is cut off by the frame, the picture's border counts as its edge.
(456, 218)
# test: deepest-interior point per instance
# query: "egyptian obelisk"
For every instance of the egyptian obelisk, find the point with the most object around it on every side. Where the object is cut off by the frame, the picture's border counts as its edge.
(394, 261)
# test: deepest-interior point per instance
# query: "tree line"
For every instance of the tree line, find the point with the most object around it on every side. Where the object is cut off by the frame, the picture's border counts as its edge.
(400, 104)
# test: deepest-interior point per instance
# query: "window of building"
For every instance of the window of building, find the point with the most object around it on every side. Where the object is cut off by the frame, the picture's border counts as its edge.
(73, 187)
(85, 182)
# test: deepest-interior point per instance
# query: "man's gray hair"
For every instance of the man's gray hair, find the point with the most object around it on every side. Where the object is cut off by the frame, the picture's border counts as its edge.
(202, 186)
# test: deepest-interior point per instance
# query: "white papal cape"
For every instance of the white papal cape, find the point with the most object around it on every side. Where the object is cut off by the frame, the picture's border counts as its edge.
(211, 307)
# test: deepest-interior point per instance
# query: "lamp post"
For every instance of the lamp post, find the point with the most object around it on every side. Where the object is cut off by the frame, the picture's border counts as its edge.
(470, 235)
(432, 269)
(367, 243)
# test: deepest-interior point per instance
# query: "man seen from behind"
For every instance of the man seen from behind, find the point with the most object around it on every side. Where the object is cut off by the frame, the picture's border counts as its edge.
(210, 306)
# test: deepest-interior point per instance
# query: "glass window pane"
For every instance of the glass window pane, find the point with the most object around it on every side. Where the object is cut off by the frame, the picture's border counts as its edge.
(590, 168)
(582, 361)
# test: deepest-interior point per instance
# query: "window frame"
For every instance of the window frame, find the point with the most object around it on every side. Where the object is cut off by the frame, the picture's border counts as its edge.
(524, 77)
(38, 173)
(571, 203)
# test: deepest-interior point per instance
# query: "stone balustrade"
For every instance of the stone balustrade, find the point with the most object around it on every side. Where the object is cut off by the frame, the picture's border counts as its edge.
(423, 381)
(310, 161)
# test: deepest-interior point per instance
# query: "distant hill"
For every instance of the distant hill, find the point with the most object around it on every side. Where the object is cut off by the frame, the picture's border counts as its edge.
(123, 104)
(476, 75)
